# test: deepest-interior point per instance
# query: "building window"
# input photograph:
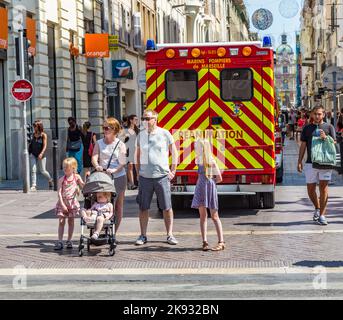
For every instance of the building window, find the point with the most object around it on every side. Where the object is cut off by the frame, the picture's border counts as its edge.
(213, 7)
(91, 81)
(182, 86)
(236, 84)
(285, 70)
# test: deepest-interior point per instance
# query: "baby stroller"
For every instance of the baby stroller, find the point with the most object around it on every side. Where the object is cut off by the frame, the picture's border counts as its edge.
(98, 182)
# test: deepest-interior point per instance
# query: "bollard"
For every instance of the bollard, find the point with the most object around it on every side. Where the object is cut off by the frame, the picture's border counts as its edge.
(54, 158)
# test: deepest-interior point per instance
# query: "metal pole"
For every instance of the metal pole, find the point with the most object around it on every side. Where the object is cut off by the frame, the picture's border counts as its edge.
(26, 170)
(55, 161)
(334, 80)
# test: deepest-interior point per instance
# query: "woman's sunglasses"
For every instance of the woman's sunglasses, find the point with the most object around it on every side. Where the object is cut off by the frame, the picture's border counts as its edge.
(147, 118)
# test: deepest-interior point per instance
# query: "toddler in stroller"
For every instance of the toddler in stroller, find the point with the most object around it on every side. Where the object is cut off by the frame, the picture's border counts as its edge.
(97, 215)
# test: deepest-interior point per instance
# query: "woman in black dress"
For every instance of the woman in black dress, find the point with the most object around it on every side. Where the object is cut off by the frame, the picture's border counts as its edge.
(88, 138)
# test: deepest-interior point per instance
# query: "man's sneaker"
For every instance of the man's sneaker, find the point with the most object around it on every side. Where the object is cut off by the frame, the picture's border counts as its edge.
(172, 240)
(33, 188)
(316, 215)
(322, 221)
(141, 240)
(58, 245)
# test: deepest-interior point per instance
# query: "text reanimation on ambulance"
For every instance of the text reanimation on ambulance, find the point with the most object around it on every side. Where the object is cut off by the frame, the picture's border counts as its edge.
(208, 134)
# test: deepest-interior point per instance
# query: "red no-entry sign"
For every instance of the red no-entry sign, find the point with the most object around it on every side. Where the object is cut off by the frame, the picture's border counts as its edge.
(22, 90)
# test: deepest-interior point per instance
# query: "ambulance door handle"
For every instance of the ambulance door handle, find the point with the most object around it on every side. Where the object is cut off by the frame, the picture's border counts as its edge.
(217, 120)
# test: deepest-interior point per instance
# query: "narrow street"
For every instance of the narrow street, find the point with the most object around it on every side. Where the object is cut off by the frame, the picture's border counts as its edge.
(273, 253)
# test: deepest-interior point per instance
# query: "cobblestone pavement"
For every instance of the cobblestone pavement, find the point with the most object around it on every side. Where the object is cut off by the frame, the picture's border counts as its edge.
(281, 237)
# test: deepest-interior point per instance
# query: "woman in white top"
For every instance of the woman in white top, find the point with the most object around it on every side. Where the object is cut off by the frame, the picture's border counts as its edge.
(110, 155)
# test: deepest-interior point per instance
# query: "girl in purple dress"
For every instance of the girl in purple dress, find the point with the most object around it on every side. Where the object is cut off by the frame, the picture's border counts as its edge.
(205, 195)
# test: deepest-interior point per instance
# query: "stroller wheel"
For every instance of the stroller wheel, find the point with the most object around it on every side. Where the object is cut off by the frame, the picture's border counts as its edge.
(80, 252)
(88, 245)
(111, 252)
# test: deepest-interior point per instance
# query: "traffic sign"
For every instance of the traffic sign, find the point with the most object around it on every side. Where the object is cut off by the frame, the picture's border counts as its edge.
(328, 80)
(22, 90)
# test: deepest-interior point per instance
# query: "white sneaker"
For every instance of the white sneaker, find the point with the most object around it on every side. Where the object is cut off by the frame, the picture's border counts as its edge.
(322, 221)
(171, 240)
(316, 215)
(33, 188)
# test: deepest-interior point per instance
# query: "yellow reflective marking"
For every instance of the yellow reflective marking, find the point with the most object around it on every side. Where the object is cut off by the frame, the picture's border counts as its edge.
(260, 152)
(268, 88)
(257, 76)
(254, 163)
(269, 159)
(227, 154)
(269, 72)
(150, 73)
(258, 95)
(161, 78)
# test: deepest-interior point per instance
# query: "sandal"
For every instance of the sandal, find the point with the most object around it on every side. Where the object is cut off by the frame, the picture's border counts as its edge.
(219, 247)
(69, 245)
(205, 246)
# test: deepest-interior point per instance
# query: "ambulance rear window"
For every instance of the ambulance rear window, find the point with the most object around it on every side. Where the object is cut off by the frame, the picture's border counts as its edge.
(182, 85)
(236, 84)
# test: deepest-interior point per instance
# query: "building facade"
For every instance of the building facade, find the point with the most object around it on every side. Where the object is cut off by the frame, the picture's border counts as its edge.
(285, 74)
(321, 39)
(68, 83)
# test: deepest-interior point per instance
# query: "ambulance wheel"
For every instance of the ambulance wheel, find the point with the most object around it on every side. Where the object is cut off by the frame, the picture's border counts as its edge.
(255, 201)
(268, 200)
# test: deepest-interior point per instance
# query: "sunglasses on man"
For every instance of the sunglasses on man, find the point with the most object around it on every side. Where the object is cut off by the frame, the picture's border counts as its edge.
(147, 118)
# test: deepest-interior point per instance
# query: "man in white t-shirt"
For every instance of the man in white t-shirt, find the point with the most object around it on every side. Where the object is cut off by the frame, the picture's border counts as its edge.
(152, 165)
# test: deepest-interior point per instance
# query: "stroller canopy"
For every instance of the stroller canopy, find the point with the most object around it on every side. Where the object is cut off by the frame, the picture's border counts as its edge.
(99, 182)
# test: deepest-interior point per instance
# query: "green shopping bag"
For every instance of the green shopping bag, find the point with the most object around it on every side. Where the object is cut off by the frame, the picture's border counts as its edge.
(323, 153)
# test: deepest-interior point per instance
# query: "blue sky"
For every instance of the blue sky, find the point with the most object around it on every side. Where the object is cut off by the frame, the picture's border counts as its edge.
(280, 23)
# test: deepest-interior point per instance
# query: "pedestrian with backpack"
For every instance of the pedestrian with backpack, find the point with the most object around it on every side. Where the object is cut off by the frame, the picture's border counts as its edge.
(317, 138)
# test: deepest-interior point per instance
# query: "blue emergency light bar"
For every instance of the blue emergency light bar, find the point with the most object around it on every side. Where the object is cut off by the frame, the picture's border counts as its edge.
(267, 42)
(150, 45)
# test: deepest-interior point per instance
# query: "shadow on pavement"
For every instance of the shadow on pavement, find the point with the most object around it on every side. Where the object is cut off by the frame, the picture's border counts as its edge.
(283, 224)
(148, 248)
(312, 264)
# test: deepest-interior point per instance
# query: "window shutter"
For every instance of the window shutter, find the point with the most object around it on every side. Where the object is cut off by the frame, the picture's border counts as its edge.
(137, 29)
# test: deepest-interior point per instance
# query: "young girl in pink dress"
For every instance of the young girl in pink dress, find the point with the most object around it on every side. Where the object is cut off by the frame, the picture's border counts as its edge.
(68, 207)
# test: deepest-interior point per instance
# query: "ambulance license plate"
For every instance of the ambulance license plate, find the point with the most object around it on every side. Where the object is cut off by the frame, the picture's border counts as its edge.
(178, 188)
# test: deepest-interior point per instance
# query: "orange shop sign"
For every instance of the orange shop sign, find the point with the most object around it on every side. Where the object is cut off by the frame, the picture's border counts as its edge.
(96, 45)
(3, 28)
(31, 34)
